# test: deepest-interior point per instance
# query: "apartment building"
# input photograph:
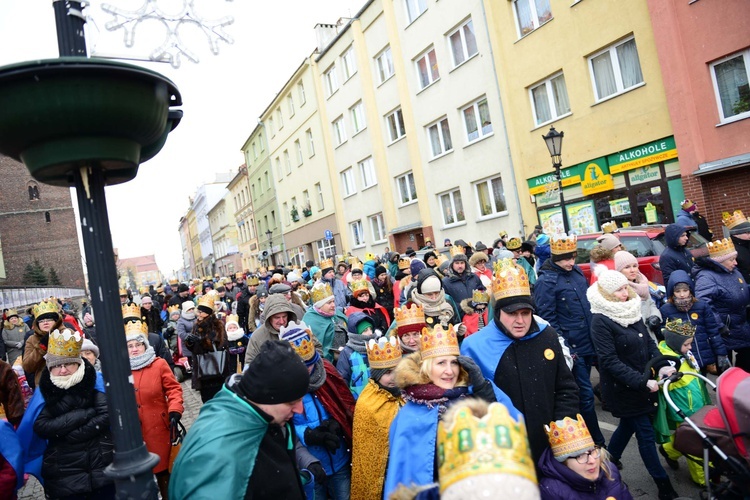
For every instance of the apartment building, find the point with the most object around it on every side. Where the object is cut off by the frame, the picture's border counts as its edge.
(188, 263)
(227, 260)
(243, 218)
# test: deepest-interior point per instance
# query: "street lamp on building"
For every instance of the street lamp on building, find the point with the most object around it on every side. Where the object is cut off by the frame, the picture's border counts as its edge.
(554, 139)
(270, 245)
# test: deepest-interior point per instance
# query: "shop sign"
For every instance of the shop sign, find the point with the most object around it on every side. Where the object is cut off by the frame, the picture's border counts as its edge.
(645, 174)
(646, 154)
(596, 178)
(619, 207)
(570, 176)
(544, 198)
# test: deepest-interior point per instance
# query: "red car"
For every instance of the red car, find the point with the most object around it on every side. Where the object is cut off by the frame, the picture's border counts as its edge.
(645, 242)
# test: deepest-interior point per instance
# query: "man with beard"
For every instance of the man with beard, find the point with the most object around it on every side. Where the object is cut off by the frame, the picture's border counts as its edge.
(462, 282)
(341, 292)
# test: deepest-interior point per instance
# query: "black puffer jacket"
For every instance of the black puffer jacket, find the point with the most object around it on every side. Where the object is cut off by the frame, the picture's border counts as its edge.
(75, 422)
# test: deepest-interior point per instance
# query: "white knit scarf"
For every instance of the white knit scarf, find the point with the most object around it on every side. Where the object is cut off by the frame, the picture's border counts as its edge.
(623, 313)
(67, 381)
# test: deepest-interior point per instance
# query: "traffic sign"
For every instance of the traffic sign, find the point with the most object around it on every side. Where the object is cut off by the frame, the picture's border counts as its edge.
(328, 234)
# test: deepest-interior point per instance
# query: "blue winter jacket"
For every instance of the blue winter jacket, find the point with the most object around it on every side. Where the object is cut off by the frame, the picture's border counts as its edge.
(369, 268)
(674, 256)
(312, 417)
(561, 300)
(707, 343)
(685, 218)
(558, 482)
(542, 250)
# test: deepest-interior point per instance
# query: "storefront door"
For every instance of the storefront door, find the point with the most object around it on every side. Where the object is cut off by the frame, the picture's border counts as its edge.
(650, 203)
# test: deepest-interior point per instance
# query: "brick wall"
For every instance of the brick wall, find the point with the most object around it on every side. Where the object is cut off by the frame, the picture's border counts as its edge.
(25, 232)
(717, 193)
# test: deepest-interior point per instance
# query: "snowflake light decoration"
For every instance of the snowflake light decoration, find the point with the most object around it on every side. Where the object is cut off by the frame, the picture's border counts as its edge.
(173, 47)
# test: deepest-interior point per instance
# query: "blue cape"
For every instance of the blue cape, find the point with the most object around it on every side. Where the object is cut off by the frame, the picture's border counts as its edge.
(10, 449)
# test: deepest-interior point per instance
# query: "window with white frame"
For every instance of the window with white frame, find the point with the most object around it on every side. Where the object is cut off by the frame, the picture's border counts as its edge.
(414, 9)
(287, 214)
(280, 118)
(358, 117)
(255, 152)
(339, 132)
(427, 68)
(367, 171)
(278, 168)
(306, 197)
(549, 99)
(349, 65)
(358, 236)
(452, 207)
(477, 120)
(490, 197)
(384, 62)
(331, 81)
(298, 149)
(616, 69)
(377, 226)
(287, 162)
(326, 249)
(310, 143)
(406, 188)
(271, 128)
(301, 93)
(290, 104)
(730, 79)
(530, 14)
(439, 134)
(319, 190)
(463, 43)
(347, 182)
(262, 144)
(396, 127)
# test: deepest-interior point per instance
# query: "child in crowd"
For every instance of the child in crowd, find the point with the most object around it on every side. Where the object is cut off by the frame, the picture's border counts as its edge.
(475, 311)
(352, 363)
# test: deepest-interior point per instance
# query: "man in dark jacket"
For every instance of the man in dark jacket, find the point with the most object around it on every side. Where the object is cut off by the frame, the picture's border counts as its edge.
(243, 302)
(739, 231)
(462, 282)
(560, 296)
(676, 255)
(181, 296)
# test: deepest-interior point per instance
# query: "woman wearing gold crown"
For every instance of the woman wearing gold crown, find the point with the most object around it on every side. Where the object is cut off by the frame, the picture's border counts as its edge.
(208, 335)
(47, 318)
(719, 283)
(430, 380)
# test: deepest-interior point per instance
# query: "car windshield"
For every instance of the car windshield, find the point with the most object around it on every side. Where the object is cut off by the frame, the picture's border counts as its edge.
(639, 246)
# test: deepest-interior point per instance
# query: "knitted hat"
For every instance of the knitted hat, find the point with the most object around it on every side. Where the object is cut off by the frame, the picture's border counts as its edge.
(300, 337)
(624, 259)
(262, 291)
(542, 239)
(146, 300)
(380, 270)
(416, 266)
(90, 346)
(676, 333)
(428, 282)
(276, 375)
(459, 257)
(187, 305)
(569, 438)
(609, 241)
(410, 252)
(63, 347)
(364, 325)
(479, 246)
(610, 281)
(428, 255)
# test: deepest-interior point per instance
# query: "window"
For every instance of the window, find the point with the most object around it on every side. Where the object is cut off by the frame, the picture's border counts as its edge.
(378, 228)
(427, 69)
(280, 118)
(288, 162)
(406, 188)
(273, 218)
(348, 63)
(310, 144)
(255, 152)
(463, 43)
(730, 79)
(367, 171)
(319, 190)
(271, 127)
(306, 196)
(358, 117)
(491, 197)
(339, 132)
(262, 145)
(414, 9)
(616, 69)
(530, 14)
(452, 207)
(440, 137)
(549, 99)
(33, 192)
(290, 104)
(47, 217)
(268, 182)
(252, 189)
(396, 125)
(358, 237)
(347, 181)
(287, 214)
(278, 169)
(326, 249)
(301, 93)
(384, 61)
(330, 80)
(298, 149)
(477, 120)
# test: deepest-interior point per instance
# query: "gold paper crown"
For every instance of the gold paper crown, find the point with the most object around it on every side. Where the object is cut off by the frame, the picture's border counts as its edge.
(173, 282)
(413, 315)
(136, 327)
(439, 342)
(131, 311)
(513, 244)
(356, 264)
(209, 299)
(253, 281)
(239, 275)
(65, 343)
(480, 297)
(441, 259)
(493, 444)
(609, 227)
(687, 203)
(563, 244)
(123, 292)
(510, 280)
(569, 437)
(370, 256)
(300, 337)
(686, 329)
(359, 286)
(456, 250)
(733, 219)
(324, 264)
(47, 306)
(320, 291)
(173, 308)
(143, 290)
(720, 248)
(233, 317)
(404, 263)
(384, 354)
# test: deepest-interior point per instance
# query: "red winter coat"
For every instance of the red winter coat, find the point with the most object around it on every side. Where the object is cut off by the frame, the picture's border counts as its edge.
(157, 393)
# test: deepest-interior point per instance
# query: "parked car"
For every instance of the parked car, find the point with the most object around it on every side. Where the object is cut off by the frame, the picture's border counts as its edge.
(645, 242)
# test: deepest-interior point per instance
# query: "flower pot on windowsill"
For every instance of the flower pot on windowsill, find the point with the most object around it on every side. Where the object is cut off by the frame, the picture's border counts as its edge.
(295, 218)
(307, 212)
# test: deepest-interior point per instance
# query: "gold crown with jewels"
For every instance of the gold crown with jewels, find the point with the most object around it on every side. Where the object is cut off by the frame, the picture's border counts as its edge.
(174, 308)
(384, 354)
(136, 327)
(563, 244)
(359, 286)
(457, 250)
(510, 280)
(253, 281)
(513, 244)
(568, 437)
(64, 343)
(413, 315)
(733, 219)
(404, 263)
(209, 299)
(480, 297)
(720, 248)
(492, 444)
(324, 264)
(131, 311)
(299, 336)
(47, 306)
(439, 342)
(356, 264)
(320, 291)
(686, 329)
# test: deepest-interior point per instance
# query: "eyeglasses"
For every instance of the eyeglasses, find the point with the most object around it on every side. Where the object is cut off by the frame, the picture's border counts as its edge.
(584, 457)
(68, 366)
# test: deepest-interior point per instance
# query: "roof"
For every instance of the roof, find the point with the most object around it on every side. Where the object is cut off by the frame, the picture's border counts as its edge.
(141, 264)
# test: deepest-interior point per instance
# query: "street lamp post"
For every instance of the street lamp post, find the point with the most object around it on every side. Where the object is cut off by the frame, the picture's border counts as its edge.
(270, 245)
(554, 139)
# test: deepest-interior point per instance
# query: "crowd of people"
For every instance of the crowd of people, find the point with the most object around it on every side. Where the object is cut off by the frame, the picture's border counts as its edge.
(464, 372)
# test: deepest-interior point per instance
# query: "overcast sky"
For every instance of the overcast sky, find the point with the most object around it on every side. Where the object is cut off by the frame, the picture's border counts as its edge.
(222, 97)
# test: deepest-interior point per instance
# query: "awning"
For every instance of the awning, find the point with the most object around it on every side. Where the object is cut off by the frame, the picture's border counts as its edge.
(732, 162)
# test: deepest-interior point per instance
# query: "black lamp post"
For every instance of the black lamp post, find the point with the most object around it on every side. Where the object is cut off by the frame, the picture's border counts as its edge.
(554, 139)
(270, 245)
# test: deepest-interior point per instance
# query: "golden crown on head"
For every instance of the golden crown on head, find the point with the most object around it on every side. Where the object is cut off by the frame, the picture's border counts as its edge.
(480, 297)
(569, 437)
(413, 315)
(720, 248)
(325, 264)
(686, 329)
(404, 263)
(143, 290)
(174, 308)
(357, 264)
(131, 311)
(441, 259)
(64, 343)
(234, 318)
(123, 291)
(209, 299)
(384, 354)
(136, 327)
(439, 342)
(253, 281)
(47, 306)
(300, 336)
(359, 286)
(493, 444)
(320, 291)
(513, 243)
(609, 227)
(510, 280)
(457, 249)
(173, 282)
(562, 244)
(733, 219)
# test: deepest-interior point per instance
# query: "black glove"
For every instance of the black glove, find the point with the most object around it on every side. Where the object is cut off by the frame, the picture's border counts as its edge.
(723, 362)
(169, 332)
(322, 436)
(653, 322)
(476, 378)
(318, 472)
(174, 417)
(333, 426)
(192, 340)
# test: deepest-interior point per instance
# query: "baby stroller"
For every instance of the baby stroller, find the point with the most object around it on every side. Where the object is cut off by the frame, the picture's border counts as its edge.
(720, 434)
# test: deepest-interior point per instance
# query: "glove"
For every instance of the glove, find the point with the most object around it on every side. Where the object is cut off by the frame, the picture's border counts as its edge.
(169, 332)
(666, 371)
(318, 472)
(652, 385)
(724, 364)
(460, 329)
(333, 426)
(19, 345)
(192, 340)
(43, 342)
(653, 322)
(322, 436)
(476, 378)
(174, 417)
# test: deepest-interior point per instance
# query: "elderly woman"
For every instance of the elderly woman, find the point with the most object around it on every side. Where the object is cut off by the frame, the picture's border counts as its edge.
(327, 323)
(157, 394)
(47, 317)
(208, 335)
(90, 352)
(14, 333)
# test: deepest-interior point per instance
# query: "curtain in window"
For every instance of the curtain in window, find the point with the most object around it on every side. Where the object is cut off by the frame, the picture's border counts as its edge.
(543, 11)
(435, 141)
(541, 104)
(457, 47)
(459, 206)
(630, 66)
(471, 40)
(523, 13)
(604, 75)
(432, 58)
(483, 195)
(412, 187)
(498, 195)
(446, 135)
(445, 201)
(471, 123)
(730, 77)
(560, 93)
(484, 117)
(403, 190)
(424, 77)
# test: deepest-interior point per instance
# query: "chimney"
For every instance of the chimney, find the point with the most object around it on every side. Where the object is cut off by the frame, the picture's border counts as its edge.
(324, 33)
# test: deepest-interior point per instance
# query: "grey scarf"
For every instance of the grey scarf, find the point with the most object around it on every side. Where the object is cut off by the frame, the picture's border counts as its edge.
(437, 307)
(143, 360)
(359, 342)
(317, 377)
